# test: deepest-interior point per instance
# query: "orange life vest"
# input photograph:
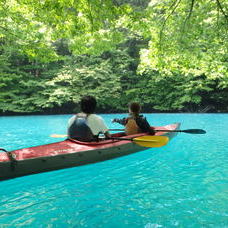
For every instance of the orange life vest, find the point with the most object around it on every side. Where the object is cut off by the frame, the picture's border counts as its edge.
(131, 127)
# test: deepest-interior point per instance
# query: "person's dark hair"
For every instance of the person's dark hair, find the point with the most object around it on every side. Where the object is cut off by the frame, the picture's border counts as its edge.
(88, 104)
(135, 107)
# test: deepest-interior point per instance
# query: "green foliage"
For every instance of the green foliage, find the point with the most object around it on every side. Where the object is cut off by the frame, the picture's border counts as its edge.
(170, 55)
(82, 76)
(188, 54)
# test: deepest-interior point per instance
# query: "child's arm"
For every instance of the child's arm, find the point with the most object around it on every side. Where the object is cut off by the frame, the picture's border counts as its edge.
(120, 121)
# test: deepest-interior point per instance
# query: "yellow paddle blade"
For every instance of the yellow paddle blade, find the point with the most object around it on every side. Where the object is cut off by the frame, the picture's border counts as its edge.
(145, 141)
(58, 136)
(151, 141)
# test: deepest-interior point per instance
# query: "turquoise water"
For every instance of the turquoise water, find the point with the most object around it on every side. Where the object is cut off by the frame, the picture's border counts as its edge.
(183, 184)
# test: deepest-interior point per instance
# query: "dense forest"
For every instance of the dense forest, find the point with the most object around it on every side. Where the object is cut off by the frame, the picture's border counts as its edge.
(170, 55)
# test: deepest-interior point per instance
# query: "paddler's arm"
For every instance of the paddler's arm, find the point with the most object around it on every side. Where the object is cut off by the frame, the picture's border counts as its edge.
(102, 127)
(120, 121)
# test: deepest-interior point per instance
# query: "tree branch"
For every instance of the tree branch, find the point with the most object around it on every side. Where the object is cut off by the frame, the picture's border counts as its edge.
(190, 12)
(172, 8)
(222, 10)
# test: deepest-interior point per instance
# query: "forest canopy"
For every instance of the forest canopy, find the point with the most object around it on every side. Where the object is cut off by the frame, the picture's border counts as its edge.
(171, 55)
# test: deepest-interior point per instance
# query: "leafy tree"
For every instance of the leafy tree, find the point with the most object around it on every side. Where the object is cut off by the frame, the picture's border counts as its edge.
(189, 53)
(170, 55)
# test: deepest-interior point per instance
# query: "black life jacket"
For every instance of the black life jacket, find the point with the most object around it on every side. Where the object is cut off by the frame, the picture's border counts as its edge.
(144, 125)
(79, 129)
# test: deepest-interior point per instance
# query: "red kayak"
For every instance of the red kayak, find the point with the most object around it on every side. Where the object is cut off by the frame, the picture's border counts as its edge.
(69, 153)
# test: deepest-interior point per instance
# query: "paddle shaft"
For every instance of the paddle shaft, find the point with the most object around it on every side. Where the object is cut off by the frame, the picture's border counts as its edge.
(189, 131)
(185, 131)
(132, 139)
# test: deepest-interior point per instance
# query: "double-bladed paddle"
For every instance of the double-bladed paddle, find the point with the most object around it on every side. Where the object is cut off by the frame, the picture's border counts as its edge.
(189, 131)
(145, 141)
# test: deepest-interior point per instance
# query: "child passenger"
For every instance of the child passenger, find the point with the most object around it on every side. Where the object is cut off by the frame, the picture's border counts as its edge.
(135, 123)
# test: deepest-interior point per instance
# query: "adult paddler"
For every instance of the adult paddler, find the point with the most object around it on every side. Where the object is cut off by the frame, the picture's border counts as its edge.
(86, 126)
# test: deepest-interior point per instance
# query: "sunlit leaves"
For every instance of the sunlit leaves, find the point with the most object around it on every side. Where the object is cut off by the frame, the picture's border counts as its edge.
(187, 46)
(95, 43)
(42, 22)
(182, 45)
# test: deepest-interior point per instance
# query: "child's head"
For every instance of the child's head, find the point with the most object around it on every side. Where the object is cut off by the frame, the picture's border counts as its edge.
(134, 107)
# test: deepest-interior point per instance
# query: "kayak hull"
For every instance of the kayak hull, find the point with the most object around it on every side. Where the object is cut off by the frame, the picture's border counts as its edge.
(68, 153)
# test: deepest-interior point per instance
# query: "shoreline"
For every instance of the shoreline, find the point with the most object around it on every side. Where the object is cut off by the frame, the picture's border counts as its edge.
(102, 113)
